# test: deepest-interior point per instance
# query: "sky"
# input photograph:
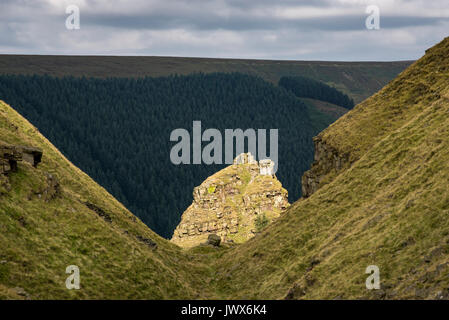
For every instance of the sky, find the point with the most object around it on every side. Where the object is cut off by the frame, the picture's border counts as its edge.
(252, 29)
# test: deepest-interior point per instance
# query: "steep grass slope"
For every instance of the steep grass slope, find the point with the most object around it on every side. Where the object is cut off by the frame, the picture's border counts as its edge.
(389, 208)
(84, 226)
(322, 113)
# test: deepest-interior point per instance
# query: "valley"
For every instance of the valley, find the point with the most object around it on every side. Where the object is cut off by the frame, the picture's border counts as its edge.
(376, 185)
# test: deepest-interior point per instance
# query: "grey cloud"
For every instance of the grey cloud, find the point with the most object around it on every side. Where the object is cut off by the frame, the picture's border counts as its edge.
(241, 15)
(242, 23)
(251, 27)
(280, 3)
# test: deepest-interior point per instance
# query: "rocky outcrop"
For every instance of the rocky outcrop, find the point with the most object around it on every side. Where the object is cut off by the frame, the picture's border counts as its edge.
(228, 203)
(266, 167)
(326, 160)
(213, 240)
(10, 155)
(31, 155)
(101, 213)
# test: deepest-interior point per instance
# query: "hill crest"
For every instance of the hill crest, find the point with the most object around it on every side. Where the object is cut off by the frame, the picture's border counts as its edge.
(357, 79)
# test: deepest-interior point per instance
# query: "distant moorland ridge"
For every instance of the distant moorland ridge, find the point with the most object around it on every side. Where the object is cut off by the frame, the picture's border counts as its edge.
(357, 79)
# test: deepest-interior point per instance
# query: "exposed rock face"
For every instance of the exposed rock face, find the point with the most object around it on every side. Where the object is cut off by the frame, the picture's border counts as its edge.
(101, 213)
(228, 203)
(326, 159)
(245, 158)
(31, 155)
(213, 240)
(10, 155)
(266, 167)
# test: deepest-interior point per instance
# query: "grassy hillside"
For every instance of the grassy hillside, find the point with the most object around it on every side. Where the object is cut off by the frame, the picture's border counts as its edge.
(357, 79)
(390, 208)
(322, 113)
(39, 238)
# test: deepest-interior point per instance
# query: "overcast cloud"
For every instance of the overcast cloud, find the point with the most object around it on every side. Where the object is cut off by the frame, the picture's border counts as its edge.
(260, 29)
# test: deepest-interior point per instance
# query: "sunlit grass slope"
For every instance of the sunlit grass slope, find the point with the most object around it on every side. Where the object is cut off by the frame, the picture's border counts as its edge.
(39, 238)
(390, 208)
